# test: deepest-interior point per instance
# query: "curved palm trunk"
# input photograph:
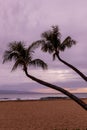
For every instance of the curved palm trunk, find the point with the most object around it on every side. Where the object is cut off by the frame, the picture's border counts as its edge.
(72, 67)
(77, 100)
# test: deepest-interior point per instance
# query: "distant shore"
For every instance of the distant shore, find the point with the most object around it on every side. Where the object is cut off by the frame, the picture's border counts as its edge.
(6, 96)
(42, 98)
(56, 114)
(37, 96)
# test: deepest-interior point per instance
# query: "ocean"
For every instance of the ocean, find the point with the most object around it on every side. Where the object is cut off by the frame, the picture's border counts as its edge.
(36, 96)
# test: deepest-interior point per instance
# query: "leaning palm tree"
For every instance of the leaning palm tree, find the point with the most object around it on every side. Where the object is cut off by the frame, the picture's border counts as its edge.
(51, 42)
(22, 57)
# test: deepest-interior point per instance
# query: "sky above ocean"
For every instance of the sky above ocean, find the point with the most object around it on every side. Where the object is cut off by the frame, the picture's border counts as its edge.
(25, 20)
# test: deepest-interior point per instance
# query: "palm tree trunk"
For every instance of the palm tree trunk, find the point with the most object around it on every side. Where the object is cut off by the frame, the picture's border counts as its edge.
(77, 100)
(72, 67)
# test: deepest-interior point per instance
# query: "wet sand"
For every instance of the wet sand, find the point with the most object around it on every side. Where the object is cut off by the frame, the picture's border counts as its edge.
(42, 115)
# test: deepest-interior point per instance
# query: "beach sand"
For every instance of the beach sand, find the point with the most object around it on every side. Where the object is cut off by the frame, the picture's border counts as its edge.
(42, 115)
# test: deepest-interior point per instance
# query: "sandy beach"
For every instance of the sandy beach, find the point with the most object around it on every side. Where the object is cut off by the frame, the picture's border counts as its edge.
(42, 115)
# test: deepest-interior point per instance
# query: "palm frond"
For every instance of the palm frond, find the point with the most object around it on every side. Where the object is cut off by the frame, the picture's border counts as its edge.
(68, 42)
(16, 45)
(38, 63)
(32, 47)
(56, 32)
(22, 55)
(35, 45)
(9, 55)
(46, 35)
(47, 47)
(54, 56)
(51, 34)
(18, 63)
(52, 39)
(6, 56)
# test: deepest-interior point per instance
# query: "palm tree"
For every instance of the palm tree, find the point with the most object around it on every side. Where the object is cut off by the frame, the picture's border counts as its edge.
(22, 57)
(51, 42)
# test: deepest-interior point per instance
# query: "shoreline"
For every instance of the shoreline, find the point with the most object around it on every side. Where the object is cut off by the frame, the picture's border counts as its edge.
(39, 96)
(41, 99)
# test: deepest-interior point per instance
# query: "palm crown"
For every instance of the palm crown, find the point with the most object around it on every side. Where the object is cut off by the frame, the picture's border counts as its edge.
(52, 41)
(22, 56)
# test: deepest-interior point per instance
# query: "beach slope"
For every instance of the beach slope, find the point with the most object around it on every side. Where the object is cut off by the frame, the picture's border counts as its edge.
(42, 115)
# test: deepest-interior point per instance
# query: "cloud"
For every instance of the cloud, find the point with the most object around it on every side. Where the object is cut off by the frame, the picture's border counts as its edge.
(26, 19)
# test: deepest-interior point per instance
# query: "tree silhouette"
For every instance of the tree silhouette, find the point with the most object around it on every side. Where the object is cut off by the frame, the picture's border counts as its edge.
(22, 57)
(51, 42)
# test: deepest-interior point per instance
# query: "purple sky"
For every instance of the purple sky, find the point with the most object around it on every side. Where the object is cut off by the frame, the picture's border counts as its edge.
(25, 20)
